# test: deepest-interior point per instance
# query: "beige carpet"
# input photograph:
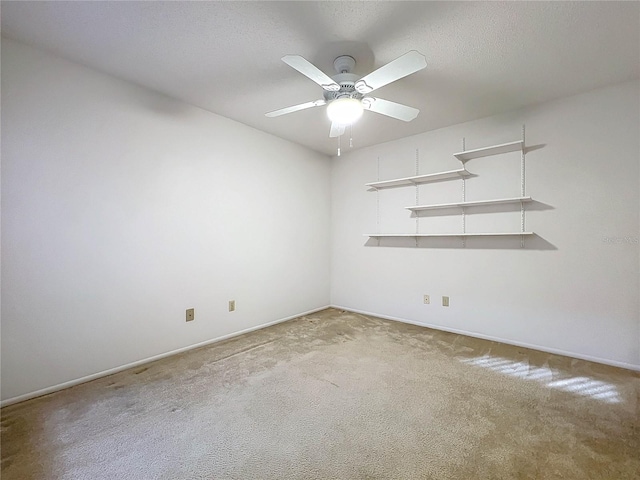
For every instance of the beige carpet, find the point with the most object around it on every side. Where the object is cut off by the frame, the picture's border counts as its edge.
(336, 395)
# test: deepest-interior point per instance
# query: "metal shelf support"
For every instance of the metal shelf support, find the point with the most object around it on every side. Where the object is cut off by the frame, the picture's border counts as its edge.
(522, 187)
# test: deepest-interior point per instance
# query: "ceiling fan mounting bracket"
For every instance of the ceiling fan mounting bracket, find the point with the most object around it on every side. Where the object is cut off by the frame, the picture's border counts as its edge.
(344, 64)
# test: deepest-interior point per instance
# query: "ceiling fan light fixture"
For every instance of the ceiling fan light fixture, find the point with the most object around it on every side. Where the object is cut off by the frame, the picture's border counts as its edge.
(345, 111)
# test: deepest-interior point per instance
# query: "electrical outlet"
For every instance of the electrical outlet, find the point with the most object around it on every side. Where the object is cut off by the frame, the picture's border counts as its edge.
(445, 301)
(427, 299)
(232, 305)
(191, 314)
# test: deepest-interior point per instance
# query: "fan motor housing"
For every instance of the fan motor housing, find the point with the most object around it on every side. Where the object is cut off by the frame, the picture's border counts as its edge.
(347, 88)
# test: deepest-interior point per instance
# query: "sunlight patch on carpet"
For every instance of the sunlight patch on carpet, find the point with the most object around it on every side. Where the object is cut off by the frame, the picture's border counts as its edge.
(580, 385)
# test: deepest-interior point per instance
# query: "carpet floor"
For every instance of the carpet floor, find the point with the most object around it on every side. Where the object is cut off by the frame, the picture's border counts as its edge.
(336, 395)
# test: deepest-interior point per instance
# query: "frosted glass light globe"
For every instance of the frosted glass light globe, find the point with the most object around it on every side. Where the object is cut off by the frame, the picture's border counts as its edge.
(344, 111)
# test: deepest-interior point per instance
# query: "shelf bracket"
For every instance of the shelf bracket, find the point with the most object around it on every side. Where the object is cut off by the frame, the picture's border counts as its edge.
(417, 194)
(464, 199)
(378, 204)
(522, 187)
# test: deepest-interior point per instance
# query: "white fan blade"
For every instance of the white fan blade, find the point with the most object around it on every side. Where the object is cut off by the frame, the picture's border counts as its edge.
(390, 109)
(336, 130)
(311, 71)
(295, 108)
(399, 68)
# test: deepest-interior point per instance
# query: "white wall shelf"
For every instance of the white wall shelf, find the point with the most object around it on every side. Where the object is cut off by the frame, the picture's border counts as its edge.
(444, 235)
(461, 206)
(443, 206)
(488, 151)
(418, 179)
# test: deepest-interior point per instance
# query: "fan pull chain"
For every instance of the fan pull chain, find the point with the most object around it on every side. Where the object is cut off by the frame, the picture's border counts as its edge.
(339, 145)
(351, 136)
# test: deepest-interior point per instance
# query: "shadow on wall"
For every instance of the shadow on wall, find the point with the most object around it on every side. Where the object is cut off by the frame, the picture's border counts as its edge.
(532, 148)
(157, 102)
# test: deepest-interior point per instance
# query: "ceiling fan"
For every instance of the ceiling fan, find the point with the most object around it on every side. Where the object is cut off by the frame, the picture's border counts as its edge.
(346, 95)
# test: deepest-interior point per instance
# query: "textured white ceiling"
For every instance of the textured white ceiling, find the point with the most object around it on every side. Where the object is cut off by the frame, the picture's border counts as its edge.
(483, 57)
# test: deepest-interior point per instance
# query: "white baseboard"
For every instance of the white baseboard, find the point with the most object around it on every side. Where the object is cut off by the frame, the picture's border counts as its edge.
(605, 361)
(111, 371)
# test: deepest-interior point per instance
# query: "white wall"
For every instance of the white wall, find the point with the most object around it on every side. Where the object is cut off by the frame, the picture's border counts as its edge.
(121, 208)
(573, 289)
